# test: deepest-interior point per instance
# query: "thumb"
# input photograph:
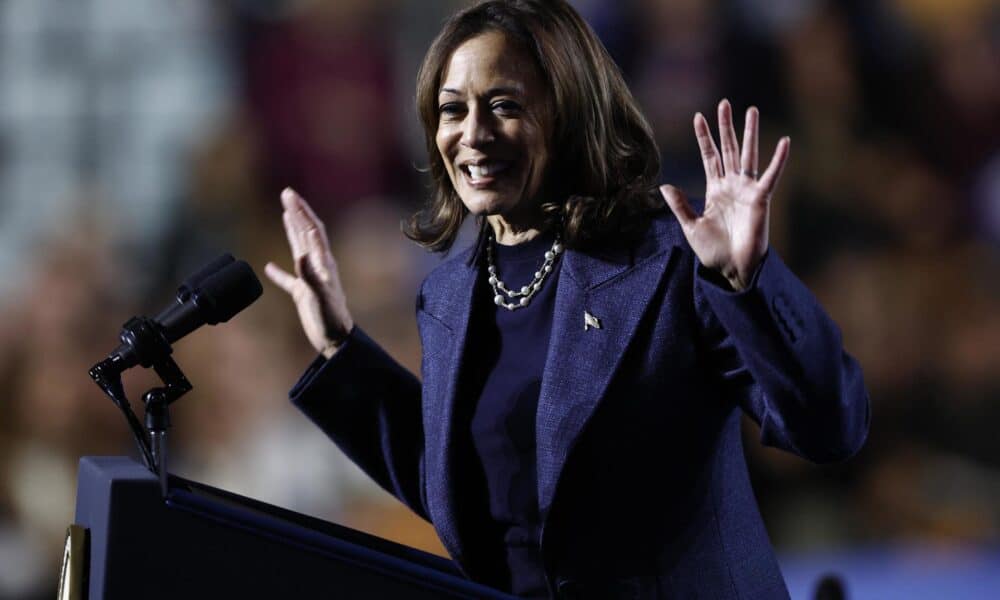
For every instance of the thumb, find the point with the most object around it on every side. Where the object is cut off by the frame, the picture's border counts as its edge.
(679, 205)
(280, 277)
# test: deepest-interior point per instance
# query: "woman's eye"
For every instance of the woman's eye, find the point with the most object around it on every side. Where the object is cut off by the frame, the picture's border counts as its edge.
(450, 109)
(506, 106)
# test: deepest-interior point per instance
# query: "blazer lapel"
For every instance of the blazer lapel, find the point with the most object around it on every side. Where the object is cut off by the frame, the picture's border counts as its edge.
(440, 385)
(599, 303)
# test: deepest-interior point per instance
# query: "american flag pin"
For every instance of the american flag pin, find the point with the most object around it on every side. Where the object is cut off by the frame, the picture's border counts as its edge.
(590, 320)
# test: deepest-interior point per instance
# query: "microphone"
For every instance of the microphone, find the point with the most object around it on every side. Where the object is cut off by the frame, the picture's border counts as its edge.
(189, 285)
(214, 294)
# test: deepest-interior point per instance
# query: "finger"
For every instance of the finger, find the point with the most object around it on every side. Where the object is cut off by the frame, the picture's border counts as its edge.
(748, 158)
(319, 255)
(291, 199)
(300, 209)
(679, 205)
(709, 153)
(306, 267)
(770, 177)
(280, 277)
(727, 137)
(293, 234)
(304, 224)
(299, 218)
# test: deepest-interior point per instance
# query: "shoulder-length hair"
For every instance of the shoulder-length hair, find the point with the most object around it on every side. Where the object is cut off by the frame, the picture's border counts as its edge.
(606, 163)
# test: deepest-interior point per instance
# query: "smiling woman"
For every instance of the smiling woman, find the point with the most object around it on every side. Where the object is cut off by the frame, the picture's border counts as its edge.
(547, 82)
(494, 131)
(587, 362)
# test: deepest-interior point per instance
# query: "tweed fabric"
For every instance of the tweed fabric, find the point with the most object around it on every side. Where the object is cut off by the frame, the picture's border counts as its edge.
(642, 481)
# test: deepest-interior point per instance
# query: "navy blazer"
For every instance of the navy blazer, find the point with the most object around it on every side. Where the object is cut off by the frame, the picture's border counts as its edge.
(642, 482)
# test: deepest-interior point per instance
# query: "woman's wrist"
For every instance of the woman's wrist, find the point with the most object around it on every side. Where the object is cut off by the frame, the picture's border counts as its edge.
(333, 344)
(329, 350)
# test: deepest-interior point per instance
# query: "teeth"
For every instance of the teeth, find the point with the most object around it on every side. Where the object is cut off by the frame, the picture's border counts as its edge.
(486, 169)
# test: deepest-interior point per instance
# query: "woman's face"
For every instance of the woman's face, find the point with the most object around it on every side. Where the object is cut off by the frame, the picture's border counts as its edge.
(494, 126)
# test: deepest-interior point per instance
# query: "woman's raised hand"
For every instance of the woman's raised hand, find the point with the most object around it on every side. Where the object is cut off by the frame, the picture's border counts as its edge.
(315, 287)
(730, 236)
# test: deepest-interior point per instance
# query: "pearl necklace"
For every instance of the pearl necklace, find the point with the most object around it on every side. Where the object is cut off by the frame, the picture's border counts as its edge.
(502, 294)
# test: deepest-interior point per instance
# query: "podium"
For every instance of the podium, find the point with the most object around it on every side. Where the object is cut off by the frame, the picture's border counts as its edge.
(202, 542)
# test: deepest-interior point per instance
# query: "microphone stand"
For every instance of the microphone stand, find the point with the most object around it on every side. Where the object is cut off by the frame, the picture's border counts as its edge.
(154, 351)
(158, 401)
(109, 378)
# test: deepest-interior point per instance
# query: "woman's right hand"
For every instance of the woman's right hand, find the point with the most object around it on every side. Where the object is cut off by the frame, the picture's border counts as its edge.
(315, 288)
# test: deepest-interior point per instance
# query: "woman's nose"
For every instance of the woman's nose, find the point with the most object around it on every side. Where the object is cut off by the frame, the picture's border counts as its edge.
(477, 129)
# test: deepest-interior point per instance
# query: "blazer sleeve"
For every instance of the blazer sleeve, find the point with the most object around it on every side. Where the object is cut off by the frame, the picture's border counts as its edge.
(782, 355)
(369, 405)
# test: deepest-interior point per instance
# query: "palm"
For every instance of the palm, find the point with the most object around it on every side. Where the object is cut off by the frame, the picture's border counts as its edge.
(315, 288)
(731, 234)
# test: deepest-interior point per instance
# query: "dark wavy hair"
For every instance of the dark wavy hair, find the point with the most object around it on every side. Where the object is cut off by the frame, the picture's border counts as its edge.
(600, 181)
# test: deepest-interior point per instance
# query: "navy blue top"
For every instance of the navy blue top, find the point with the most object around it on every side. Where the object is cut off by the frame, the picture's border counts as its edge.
(508, 359)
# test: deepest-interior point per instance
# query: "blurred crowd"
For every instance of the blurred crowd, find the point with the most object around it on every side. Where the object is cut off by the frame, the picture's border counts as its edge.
(141, 138)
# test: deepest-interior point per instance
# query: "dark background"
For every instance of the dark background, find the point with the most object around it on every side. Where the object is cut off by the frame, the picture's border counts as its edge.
(139, 138)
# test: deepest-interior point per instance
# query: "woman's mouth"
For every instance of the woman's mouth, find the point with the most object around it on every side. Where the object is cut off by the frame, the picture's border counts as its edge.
(484, 173)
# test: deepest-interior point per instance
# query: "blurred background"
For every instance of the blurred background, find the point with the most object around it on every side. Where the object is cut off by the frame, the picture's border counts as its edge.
(140, 138)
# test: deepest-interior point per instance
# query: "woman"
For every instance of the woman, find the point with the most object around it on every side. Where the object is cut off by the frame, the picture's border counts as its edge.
(577, 428)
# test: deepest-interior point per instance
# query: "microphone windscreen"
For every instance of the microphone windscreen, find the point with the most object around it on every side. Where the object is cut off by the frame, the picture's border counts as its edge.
(192, 283)
(227, 291)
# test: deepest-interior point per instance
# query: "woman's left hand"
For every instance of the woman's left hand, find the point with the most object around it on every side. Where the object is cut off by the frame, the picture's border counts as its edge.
(730, 236)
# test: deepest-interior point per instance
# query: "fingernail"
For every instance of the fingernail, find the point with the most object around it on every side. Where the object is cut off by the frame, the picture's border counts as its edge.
(288, 194)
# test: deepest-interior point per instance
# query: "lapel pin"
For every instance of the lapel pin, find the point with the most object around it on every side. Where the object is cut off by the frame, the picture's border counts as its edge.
(590, 320)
